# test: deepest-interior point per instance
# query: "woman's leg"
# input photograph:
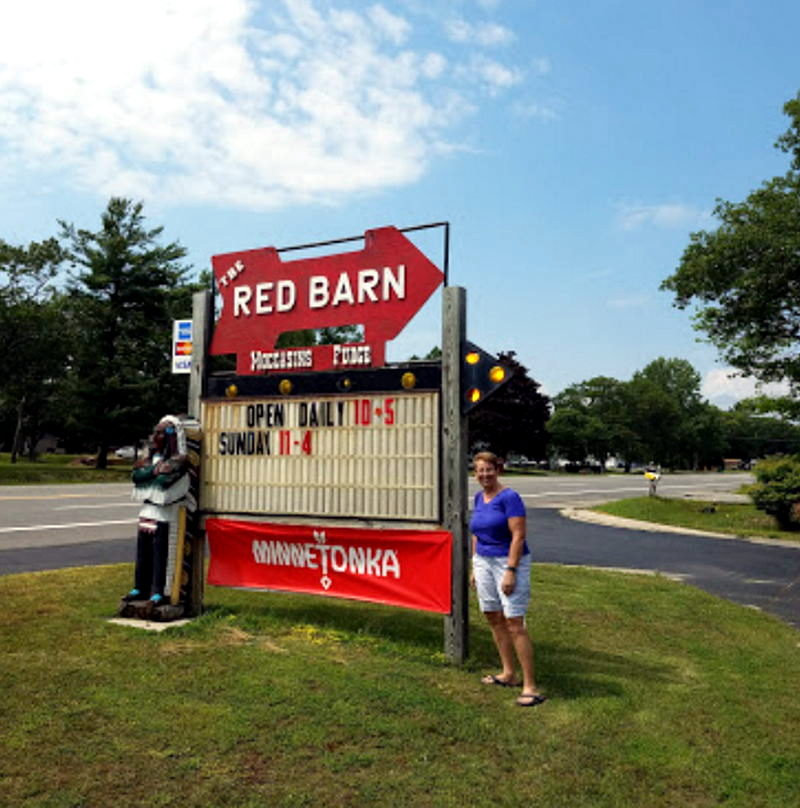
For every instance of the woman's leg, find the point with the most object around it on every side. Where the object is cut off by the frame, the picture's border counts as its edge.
(521, 642)
(503, 642)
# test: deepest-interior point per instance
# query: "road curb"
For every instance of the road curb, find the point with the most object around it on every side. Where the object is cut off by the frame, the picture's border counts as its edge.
(598, 518)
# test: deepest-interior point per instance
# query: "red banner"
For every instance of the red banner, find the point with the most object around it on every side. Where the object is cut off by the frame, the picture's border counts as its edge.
(408, 568)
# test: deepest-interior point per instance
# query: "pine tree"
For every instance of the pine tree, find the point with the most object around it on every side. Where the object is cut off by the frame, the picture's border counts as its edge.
(123, 298)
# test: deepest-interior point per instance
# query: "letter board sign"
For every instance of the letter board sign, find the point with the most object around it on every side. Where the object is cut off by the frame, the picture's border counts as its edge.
(362, 456)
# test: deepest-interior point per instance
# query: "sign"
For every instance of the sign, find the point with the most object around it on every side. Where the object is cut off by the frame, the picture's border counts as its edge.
(362, 456)
(397, 567)
(182, 346)
(380, 287)
(481, 375)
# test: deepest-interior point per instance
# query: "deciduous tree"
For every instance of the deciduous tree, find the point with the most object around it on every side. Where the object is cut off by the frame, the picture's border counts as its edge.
(594, 414)
(657, 416)
(753, 430)
(513, 418)
(745, 275)
(675, 426)
(34, 336)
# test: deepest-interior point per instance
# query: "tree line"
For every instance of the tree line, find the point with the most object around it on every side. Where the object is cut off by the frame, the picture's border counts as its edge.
(659, 416)
(85, 333)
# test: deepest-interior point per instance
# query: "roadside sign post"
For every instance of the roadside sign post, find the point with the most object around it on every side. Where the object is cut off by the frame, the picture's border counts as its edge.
(343, 472)
(195, 540)
(454, 478)
(202, 321)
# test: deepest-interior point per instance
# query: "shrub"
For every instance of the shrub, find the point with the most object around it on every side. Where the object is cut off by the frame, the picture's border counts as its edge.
(777, 490)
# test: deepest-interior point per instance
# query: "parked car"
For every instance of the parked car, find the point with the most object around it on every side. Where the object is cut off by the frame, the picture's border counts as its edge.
(126, 452)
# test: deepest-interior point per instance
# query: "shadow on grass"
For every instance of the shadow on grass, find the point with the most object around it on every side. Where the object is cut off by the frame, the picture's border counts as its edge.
(573, 672)
(564, 671)
(392, 624)
(576, 671)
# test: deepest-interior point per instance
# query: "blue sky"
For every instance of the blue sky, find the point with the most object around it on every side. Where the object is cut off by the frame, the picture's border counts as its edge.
(572, 145)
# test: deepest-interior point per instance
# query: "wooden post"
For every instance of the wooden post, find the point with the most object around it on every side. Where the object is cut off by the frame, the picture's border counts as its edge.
(454, 470)
(177, 573)
(195, 544)
(201, 325)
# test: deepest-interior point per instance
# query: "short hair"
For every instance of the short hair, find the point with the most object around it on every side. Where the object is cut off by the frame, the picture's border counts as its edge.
(487, 457)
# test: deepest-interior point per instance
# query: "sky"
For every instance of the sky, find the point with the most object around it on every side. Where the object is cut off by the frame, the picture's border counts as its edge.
(572, 145)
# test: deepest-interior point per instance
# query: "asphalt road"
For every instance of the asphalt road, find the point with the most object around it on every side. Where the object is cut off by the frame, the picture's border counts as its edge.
(49, 527)
(54, 526)
(761, 576)
(582, 490)
(78, 519)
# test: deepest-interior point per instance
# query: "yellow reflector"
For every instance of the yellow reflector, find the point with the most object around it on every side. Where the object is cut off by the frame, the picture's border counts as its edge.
(472, 358)
(285, 387)
(497, 374)
(408, 381)
(231, 391)
(345, 383)
(473, 395)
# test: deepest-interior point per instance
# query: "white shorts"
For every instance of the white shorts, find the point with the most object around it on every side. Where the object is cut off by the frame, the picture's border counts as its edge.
(489, 571)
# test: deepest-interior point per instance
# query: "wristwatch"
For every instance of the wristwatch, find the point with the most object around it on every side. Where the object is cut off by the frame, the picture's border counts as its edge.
(511, 569)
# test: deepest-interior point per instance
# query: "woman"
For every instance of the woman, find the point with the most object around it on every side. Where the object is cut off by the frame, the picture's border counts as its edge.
(501, 572)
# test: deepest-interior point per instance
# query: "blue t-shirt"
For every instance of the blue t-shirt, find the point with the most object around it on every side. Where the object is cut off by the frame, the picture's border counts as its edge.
(489, 522)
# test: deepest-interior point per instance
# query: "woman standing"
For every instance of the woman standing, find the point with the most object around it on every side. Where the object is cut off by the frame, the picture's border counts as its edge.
(501, 572)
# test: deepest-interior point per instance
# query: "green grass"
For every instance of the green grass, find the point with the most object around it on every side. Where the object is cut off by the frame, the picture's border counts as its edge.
(733, 519)
(54, 468)
(660, 695)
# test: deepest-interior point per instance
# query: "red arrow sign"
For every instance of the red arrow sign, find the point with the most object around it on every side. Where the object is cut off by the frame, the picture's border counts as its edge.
(380, 287)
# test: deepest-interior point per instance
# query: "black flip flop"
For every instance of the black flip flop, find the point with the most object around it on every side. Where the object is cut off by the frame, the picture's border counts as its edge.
(530, 700)
(490, 679)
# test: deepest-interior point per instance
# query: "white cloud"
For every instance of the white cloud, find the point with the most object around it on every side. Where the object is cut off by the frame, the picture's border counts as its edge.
(722, 385)
(240, 103)
(670, 215)
(433, 65)
(396, 28)
(541, 112)
(492, 75)
(483, 34)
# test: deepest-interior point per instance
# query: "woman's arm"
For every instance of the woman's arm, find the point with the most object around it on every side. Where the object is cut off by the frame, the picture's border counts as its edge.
(516, 524)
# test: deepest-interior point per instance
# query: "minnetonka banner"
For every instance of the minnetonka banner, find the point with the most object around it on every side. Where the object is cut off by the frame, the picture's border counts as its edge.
(408, 568)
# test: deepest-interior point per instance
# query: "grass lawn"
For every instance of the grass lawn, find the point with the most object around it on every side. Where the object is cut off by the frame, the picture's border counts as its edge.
(660, 695)
(734, 519)
(55, 468)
